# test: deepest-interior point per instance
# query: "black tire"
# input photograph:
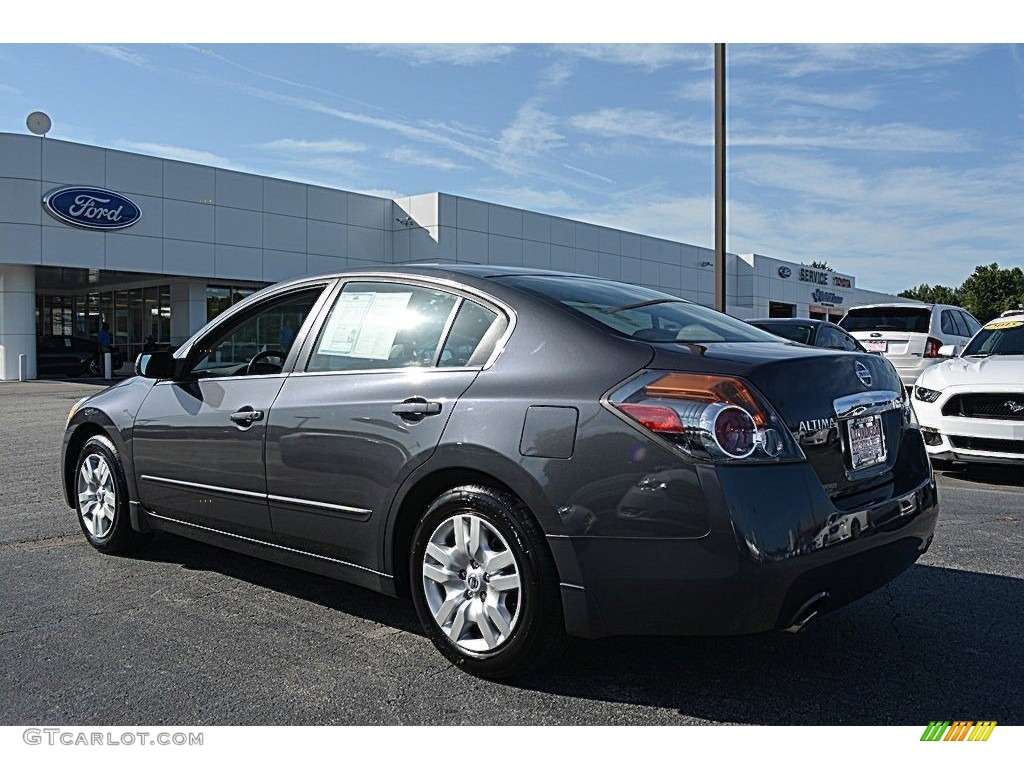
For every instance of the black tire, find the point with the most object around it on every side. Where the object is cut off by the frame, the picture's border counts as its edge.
(109, 536)
(537, 633)
(93, 368)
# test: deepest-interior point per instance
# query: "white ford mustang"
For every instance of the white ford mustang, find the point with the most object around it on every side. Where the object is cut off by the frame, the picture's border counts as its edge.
(971, 408)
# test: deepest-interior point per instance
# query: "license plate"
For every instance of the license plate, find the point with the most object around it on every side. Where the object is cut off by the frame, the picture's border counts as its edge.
(875, 346)
(866, 440)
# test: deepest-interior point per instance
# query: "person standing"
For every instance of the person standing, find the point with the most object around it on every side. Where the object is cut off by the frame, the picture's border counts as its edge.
(104, 339)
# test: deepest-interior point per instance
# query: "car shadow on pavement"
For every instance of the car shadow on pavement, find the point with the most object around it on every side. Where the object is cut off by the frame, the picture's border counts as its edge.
(331, 593)
(936, 644)
(986, 474)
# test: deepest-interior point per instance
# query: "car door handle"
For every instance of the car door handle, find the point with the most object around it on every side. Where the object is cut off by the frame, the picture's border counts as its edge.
(415, 408)
(246, 416)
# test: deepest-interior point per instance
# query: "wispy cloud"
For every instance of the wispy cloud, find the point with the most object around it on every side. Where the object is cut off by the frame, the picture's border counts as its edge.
(464, 55)
(10, 89)
(305, 146)
(532, 132)
(644, 56)
(801, 60)
(411, 156)
(119, 52)
(588, 174)
(746, 92)
(545, 200)
(888, 225)
(619, 122)
(172, 152)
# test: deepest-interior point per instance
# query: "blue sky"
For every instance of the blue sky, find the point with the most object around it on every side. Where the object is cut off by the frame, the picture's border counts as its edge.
(899, 164)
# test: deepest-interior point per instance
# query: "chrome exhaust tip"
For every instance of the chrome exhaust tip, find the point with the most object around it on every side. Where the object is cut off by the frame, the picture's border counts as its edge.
(806, 613)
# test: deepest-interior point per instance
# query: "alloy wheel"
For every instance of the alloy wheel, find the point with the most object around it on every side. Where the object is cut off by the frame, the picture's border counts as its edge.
(97, 495)
(471, 581)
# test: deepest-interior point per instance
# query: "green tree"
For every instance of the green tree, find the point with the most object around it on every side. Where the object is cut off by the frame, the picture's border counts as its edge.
(934, 294)
(992, 290)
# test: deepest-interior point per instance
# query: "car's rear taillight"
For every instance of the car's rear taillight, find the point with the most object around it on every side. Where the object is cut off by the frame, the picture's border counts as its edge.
(931, 347)
(721, 418)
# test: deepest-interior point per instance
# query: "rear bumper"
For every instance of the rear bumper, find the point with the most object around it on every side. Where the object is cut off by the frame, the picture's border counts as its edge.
(910, 368)
(776, 542)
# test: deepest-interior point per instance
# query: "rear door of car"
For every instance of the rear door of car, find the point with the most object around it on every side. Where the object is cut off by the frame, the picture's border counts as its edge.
(367, 404)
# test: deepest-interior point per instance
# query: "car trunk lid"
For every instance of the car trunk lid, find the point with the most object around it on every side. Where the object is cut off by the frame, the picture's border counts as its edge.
(845, 409)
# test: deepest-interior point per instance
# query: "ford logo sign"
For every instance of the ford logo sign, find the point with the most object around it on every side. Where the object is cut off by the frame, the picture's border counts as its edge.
(91, 208)
(785, 271)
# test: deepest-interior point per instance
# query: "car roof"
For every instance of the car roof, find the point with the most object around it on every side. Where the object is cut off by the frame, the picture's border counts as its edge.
(900, 304)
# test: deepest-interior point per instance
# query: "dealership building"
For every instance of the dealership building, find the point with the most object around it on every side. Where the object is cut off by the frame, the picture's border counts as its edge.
(154, 248)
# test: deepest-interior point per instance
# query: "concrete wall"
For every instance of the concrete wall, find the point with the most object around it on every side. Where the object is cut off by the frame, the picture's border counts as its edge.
(196, 220)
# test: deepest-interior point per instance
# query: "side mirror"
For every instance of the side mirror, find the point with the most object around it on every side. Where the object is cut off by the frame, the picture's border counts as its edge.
(948, 350)
(155, 365)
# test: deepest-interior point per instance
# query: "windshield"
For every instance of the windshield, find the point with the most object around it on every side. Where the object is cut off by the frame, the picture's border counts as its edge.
(798, 333)
(912, 319)
(1000, 337)
(639, 313)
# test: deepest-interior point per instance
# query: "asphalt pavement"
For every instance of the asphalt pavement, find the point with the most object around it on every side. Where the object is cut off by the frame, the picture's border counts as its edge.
(190, 634)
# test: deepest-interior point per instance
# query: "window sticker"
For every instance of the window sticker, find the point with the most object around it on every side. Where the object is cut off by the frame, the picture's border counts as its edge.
(365, 325)
(999, 325)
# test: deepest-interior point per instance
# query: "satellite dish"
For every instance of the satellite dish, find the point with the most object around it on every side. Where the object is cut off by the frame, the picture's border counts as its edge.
(39, 123)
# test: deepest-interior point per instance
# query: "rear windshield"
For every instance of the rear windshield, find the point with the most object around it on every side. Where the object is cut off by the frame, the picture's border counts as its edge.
(912, 319)
(791, 331)
(639, 313)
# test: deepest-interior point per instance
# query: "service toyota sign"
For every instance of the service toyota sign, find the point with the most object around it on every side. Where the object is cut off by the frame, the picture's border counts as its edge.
(91, 208)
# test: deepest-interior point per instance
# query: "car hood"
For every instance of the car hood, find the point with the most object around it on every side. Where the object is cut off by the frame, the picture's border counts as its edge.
(997, 369)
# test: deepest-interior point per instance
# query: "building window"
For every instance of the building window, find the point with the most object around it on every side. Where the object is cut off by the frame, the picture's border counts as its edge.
(220, 297)
(781, 309)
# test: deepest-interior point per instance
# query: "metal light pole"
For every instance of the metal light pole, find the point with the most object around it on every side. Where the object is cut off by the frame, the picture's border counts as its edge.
(720, 177)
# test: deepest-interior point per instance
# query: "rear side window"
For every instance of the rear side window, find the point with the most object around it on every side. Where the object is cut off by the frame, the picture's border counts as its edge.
(383, 325)
(973, 326)
(472, 336)
(908, 319)
(948, 325)
(830, 338)
(798, 333)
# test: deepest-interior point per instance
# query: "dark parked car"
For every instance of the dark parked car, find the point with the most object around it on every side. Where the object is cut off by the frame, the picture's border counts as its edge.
(815, 333)
(529, 455)
(72, 356)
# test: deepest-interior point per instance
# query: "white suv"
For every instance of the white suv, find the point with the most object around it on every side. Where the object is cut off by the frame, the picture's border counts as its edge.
(910, 335)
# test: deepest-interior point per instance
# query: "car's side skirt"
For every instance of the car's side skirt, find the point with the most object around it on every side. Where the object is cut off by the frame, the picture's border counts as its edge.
(266, 550)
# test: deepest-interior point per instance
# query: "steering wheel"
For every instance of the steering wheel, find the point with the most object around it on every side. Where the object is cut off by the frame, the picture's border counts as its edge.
(257, 366)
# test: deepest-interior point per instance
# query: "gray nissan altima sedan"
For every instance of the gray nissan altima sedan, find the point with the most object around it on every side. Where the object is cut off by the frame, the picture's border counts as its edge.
(529, 455)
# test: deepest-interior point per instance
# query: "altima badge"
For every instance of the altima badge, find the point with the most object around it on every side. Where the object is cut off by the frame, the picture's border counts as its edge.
(862, 373)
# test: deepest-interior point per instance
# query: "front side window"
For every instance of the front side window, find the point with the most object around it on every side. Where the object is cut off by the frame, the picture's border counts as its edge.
(257, 342)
